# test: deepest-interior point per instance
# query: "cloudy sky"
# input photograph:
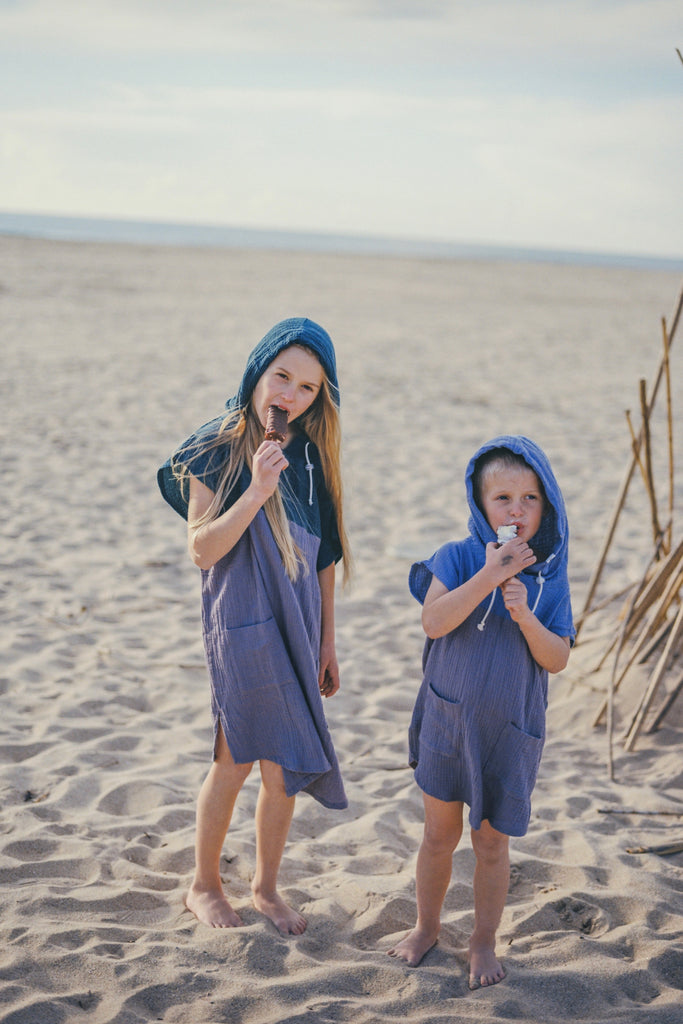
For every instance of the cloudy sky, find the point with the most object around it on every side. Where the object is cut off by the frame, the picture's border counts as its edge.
(522, 122)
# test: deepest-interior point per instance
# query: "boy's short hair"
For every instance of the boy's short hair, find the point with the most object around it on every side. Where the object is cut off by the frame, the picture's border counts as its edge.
(505, 458)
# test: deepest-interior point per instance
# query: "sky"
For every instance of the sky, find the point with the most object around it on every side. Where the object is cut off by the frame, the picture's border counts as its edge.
(529, 123)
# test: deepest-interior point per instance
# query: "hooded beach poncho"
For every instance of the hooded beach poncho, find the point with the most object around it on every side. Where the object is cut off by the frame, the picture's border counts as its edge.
(478, 725)
(261, 630)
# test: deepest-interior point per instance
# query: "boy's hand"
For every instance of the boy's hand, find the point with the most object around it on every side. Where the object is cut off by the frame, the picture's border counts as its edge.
(510, 558)
(515, 596)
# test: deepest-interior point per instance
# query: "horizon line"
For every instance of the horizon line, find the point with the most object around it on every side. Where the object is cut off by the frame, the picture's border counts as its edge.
(127, 230)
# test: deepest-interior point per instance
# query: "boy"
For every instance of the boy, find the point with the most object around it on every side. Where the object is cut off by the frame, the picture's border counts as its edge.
(498, 619)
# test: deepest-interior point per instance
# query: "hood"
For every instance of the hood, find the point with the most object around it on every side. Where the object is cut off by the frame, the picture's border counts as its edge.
(294, 330)
(551, 543)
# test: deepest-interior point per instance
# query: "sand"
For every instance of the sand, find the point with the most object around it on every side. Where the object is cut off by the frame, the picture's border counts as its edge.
(111, 354)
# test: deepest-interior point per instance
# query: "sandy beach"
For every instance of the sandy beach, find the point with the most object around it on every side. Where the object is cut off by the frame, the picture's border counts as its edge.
(111, 355)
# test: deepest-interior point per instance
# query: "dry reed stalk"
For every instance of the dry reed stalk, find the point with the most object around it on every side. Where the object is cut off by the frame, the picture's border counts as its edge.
(642, 599)
(668, 704)
(657, 583)
(635, 447)
(671, 594)
(669, 430)
(605, 603)
(648, 640)
(638, 719)
(646, 652)
(608, 650)
(615, 683)
(623, 491)
(662, 849)
(611, 692)
(649, 478)
(618, 640)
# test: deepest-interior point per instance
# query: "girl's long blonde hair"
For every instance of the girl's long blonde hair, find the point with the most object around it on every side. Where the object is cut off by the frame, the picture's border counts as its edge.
(241, 433)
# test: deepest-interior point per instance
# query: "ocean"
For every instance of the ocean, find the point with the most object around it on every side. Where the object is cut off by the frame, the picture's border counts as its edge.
(98, 229)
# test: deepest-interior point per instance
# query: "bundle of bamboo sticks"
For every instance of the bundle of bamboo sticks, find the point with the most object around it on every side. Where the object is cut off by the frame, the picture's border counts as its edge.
(649, 620)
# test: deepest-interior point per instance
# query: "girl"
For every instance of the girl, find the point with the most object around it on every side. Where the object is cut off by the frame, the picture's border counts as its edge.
(265, 526)
(498, 619)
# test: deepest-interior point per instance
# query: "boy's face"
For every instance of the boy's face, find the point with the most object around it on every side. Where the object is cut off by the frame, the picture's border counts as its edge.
(512, 494)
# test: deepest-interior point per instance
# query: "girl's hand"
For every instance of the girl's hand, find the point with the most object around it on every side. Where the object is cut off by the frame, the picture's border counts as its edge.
(328, 677)
(510, 558)
(269, 461)
(515, 596)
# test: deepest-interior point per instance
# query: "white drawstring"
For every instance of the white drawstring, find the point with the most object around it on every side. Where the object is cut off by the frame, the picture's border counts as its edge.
(480, 625)
(540, 580)
(309, 467)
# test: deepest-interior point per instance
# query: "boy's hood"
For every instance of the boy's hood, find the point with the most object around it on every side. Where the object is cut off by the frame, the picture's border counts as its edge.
(550, 545)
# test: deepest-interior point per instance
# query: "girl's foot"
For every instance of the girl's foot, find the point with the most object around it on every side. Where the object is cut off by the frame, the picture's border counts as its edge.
(210, 907)
(414, 947)
(285, 918)
(485, 969)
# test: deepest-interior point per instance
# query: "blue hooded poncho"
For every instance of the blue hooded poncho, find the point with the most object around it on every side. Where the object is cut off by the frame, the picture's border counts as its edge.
(261, 630)
(478, 726)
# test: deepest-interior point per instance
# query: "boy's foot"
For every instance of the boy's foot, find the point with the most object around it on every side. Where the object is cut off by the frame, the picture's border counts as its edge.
(285, 918)
(210, 907)
(485, 969)
(414, 947)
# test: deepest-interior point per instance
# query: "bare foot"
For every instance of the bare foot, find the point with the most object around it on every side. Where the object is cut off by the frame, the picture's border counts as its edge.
(485, 969)
(414, 947)
(286, 920)
(210, 907)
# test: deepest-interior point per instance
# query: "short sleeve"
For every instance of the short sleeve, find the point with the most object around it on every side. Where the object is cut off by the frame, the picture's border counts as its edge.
(330, 550)
(558, 618)
(204, 462)
(445, 564)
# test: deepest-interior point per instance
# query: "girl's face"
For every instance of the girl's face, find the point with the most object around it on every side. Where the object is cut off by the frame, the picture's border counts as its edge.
(292, 381)
(512, 494)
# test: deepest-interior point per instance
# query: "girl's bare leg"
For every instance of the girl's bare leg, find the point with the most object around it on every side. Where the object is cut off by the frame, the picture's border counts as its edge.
(491, 882)
(442, 832)
(274, 811)
(206, 899)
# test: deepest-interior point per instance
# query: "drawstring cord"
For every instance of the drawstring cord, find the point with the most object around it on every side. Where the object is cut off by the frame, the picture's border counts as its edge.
(540, 580)
(480, 625)
(309, 468)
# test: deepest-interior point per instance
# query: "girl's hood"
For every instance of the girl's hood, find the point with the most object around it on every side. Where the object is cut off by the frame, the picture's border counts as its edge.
(295, 330)
(551, 543)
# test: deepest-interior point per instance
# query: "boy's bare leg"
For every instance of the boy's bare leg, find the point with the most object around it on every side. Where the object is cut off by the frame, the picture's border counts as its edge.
(205, 898)
(442, 832)
(274, 811)
(491, 882)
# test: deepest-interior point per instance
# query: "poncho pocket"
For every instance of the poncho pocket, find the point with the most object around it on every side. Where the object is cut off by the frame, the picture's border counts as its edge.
(253, 655)
(514, 761)
(442, 724)
(266, 711)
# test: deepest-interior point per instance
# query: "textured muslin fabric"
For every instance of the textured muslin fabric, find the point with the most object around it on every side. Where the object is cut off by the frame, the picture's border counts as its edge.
(262, 640)
(478, 726)
(262, 630)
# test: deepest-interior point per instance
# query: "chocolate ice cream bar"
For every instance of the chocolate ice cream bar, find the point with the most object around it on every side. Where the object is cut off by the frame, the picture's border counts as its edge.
(276, 424)
(506, 533)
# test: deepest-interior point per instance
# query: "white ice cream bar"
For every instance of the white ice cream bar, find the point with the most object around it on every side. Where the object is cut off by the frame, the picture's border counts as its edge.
(506, 533)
